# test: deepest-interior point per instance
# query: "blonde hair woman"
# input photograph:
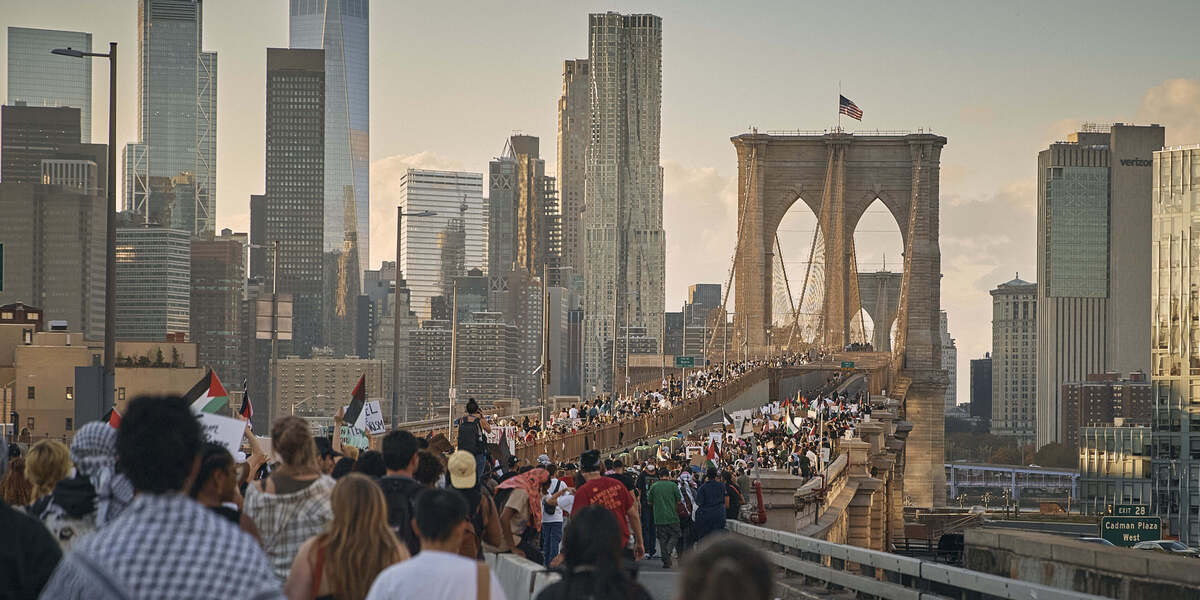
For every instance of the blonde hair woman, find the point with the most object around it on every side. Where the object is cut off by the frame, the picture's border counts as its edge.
(47, 463)
(342, 562)
(292, 504)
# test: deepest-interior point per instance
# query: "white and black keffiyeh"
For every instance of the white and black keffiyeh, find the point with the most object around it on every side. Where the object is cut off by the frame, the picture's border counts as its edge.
(166, 546)
(94, 452)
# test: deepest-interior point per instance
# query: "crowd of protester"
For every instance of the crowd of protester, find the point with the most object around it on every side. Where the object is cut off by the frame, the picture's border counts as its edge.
(631, 404)
(149, 509)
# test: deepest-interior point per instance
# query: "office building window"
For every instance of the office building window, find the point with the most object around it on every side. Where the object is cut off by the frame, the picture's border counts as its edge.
(70, 393)
(30, 393)
(68, 424)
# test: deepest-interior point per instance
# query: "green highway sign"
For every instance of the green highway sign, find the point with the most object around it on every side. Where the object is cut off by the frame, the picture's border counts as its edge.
(847, 364)
(1129, 510)
(685, 362)
(1127, 531)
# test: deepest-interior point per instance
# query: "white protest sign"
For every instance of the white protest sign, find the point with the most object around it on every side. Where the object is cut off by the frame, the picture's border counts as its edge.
(373, 418)
(717, 437)
(223, 430)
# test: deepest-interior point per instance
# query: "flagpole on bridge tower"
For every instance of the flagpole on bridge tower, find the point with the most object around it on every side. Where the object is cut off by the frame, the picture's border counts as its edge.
(839, 125)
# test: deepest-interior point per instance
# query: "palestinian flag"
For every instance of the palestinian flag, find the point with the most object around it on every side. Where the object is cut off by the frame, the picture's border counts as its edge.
(725, 418)
(711, 454)
(247, 409)
(357, 399)
(114, 418)
(208, 395)
(789, 424)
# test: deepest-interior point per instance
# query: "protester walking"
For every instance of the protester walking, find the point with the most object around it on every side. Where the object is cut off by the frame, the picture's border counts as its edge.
(438, 572)
(711, 500)
(399, 488)
(612, 495)
(472, 428)
(481, 509)
(28, 553)
(664, 499)
(292, 504)
(521, 518)
(723, 568)
(686, 512)
(552, 514)
(343, 561)
(215, 486)
(15, 489)
(47, 463)
(592, 549)
(163, 545)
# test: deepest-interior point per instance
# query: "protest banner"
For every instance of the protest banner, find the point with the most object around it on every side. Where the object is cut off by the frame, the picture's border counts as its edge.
(373, 418)
(222, 430)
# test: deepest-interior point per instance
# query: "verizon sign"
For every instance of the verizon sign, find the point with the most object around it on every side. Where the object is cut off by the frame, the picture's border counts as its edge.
(1136, 162)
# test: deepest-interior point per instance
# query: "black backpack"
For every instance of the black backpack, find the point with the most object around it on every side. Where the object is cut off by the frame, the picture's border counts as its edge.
(468, 436)
(401, 496)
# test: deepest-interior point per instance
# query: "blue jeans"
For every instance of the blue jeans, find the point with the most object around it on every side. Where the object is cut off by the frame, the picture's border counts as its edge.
(551, 538)
(648, 532)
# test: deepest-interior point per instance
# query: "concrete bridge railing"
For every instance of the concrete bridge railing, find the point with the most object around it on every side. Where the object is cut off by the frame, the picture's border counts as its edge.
(806, 561)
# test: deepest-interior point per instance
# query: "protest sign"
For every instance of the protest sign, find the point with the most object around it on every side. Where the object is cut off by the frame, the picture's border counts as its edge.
(222, 430)
(353, 436)
(373, 418)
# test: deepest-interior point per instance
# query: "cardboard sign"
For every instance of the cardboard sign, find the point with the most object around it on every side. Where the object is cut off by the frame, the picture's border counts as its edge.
(223, 430)
(372, 417)
(353, 436)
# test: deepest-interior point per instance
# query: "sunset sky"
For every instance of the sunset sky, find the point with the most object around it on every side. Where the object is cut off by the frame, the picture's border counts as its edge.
(451, 80)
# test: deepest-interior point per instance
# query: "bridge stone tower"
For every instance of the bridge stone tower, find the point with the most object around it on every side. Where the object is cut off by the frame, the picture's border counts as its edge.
(838, 175)
(880, 294)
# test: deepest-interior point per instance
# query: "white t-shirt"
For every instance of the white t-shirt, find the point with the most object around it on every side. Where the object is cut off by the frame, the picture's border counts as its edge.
(574, 413)
(555, 516)
(431, 575)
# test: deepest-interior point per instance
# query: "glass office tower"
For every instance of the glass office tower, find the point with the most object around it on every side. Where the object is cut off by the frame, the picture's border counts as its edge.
(340, 28)
(177, 119)
(38, 78)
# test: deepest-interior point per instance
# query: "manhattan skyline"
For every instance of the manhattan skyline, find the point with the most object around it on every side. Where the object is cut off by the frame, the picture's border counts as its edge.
(449, 101)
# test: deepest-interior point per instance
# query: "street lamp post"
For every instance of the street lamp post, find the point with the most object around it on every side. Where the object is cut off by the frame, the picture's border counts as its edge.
(400, 214)
(110, 260)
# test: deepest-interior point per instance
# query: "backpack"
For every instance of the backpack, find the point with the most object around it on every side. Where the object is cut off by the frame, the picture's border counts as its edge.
(469, 433)
(401, 496)
(472, 540)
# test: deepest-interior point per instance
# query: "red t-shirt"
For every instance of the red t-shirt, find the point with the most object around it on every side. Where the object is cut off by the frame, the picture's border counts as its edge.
(609, 493)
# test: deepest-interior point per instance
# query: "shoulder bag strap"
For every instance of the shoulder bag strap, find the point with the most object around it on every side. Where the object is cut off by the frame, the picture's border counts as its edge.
(318, 570)
(483, 582)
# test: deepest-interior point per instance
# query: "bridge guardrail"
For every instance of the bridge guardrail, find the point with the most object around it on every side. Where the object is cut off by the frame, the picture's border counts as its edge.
(891, 576)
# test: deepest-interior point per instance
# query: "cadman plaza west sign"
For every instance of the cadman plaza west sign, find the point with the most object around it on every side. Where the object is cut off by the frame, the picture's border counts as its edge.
(1127, 531)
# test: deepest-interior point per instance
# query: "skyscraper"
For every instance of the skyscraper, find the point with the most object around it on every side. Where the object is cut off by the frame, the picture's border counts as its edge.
(153, 282)
(981, 387)
(1014, 376)
(524, 229)
(218, 289)
(340, 27)
(573, 133)
(177, 114)
(38, 78)
(949, 362)
(1175, 339)
(29, 135)
(293, 208)
(54, 241)
(456, 198)
(1093, 243)
(625, 249)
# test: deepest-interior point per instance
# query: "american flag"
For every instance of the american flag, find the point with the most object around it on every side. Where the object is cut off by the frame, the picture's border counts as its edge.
(848, 108)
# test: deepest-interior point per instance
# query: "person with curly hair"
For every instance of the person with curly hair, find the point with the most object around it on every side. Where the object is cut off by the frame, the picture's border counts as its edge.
(15, 489)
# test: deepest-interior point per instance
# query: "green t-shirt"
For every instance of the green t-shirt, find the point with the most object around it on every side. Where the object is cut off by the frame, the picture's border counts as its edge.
(663, 496)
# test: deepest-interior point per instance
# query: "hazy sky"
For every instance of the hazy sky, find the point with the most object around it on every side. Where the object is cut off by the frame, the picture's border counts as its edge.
(451, 80)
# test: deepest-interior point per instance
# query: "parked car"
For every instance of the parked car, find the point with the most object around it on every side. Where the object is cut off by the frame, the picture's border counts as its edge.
(1169, 546)
(1096, 540)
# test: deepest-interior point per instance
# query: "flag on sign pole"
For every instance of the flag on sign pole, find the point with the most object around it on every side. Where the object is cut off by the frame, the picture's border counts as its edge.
(725, 418)
(848, 108)
(247, 409)
(208, 395)
(711, 453)
(357, 399)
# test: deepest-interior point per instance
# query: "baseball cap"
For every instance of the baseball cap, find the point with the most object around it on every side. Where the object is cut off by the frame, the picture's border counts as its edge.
(462, 470)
